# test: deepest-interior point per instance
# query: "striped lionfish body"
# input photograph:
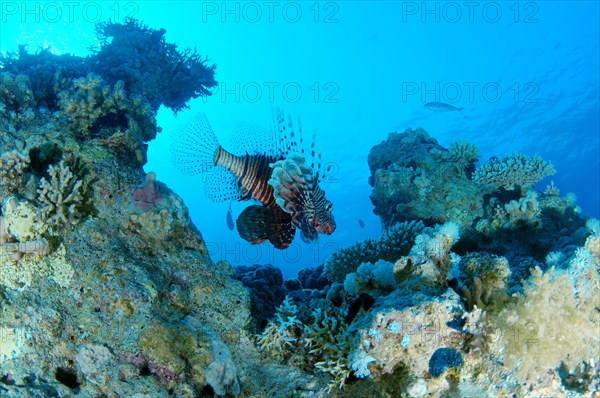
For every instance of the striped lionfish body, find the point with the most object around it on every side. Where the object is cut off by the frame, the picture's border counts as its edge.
(250, 172)
(277, 177)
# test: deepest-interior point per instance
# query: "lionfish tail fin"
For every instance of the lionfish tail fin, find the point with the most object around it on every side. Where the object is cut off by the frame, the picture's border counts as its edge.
(257, 224)
(194, 146)
(195, 149)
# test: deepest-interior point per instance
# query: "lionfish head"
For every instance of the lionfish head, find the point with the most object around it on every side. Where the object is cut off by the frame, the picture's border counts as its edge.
(323, 221)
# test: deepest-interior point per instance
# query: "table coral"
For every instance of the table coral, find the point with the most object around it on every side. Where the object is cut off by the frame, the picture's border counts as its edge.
(513, 171)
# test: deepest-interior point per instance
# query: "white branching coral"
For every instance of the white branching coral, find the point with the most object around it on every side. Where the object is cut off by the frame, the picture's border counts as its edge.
(281, 331)
(63, 196)
(12, 167)
(359, 362)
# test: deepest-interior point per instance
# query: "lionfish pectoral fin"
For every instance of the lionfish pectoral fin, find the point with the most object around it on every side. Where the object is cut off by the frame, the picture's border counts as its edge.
(257, 224)
(292, 182)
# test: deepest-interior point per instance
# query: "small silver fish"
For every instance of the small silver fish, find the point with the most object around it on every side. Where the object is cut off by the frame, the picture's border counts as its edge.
(443, 107)
(230, 224)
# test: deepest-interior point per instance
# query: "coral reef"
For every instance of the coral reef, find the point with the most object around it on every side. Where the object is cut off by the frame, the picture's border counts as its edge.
(15, 94)
(106, 287)
(480, 285)
(415, 178)
(97, 110)
(483, 280)
(394, 243)
(44, 72)
(130, 52)
(495, 205)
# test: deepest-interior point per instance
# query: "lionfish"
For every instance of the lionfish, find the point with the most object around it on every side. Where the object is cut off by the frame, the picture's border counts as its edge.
(274, 173)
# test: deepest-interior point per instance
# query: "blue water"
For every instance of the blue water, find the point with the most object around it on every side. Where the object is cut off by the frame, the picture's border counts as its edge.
(526, 74)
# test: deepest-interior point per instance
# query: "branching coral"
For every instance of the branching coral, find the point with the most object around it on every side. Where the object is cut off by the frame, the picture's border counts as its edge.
(150, 66)
(394, 243)
(65, 198)
(513, 171)
(283, 330)
(324, 337)
(328, 342)
(464, 155)
(12, 167)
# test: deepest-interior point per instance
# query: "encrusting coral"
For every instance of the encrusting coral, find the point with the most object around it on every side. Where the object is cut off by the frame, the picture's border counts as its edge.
(97, 110)
(15, 93)
(13, 165)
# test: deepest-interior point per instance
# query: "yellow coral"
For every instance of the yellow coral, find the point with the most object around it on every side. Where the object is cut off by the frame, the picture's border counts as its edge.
(546, 325)
(21, 220)
(19, 275)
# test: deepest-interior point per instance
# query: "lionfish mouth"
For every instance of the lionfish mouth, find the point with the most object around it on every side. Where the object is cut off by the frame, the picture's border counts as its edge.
(328, 229)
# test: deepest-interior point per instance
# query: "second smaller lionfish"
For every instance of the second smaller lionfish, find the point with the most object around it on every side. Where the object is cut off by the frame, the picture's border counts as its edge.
(274, 173)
